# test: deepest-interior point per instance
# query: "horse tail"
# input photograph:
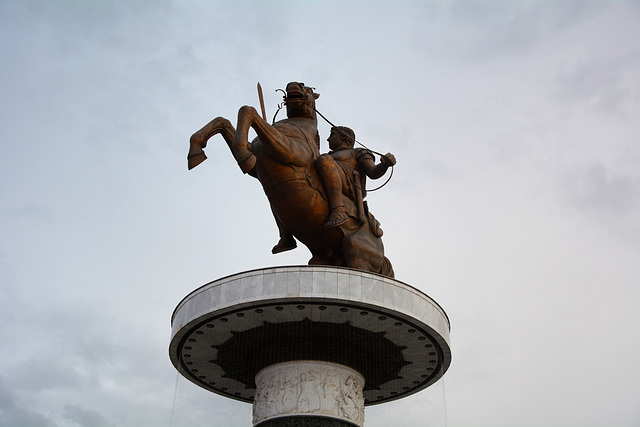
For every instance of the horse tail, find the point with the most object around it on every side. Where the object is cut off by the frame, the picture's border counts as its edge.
(386, 269)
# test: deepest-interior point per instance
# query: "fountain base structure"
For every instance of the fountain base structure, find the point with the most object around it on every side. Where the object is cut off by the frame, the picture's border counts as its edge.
(310, 345)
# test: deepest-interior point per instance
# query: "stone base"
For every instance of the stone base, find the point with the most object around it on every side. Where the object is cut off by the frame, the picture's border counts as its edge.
(227, 332)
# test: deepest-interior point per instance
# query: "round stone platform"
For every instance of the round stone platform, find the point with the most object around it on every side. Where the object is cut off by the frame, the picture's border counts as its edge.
(228, 330)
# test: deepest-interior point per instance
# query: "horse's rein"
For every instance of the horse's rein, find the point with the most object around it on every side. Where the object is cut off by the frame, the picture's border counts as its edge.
(280, 105)
(364, 146)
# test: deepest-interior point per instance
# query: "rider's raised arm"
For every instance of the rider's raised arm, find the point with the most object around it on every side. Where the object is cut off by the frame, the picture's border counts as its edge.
(367, 164)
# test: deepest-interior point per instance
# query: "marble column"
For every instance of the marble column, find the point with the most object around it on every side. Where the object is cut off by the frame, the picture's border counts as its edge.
(308, 393)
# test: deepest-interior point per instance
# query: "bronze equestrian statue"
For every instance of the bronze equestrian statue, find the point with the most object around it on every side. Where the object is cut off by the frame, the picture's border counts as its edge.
(283, 158)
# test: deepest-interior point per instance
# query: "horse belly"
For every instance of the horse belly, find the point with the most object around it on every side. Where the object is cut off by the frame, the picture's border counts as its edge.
(298, 206)
(302, 211)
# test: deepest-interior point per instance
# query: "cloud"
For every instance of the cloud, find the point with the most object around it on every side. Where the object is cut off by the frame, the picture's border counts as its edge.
(607, 196)
(85, 417)
(15, 413)
(493, 30)
(601, 189)
(605, 85)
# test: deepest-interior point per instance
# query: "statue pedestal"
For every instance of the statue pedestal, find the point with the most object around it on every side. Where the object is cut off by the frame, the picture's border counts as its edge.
(310, 341)
(309, 389)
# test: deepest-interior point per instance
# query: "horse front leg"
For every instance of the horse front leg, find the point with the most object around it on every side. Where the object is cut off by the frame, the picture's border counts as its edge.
(198, 140)
(247, 117)
(274, 142)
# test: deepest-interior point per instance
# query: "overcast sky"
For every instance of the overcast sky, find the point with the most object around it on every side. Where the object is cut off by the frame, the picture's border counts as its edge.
(515, 202)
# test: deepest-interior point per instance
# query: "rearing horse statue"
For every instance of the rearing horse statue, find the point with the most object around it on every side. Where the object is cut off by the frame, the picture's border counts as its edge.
(282, 157)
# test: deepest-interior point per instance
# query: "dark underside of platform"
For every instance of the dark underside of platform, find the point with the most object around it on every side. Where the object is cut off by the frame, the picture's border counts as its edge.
(371, 354)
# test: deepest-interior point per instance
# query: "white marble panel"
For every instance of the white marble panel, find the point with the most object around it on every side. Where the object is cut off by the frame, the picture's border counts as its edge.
(330, 284)
(280, 287)
(367, 289)
(293, 283)
(343, 286)
(268, 284)
(306, 283)
(355, 286)
(319, 286)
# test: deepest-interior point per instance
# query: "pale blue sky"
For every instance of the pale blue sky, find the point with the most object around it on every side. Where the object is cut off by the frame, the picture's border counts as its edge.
(515, 203)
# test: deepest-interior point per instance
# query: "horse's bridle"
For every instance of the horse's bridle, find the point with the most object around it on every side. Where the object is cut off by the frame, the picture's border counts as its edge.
(285, 98)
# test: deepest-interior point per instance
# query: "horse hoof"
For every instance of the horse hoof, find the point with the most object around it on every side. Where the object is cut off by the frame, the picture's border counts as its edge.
(195, 159)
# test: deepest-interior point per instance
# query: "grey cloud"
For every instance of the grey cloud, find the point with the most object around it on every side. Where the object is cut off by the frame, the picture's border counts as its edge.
(607, 86)
(34, 214)
(494, 29)
(15, 413)
(598, 188)
(85, 417)
(46, 371)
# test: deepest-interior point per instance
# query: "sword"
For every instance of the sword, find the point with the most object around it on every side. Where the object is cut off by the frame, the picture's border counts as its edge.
(264, 114)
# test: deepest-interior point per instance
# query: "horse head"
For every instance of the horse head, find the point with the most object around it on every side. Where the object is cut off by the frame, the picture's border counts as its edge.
(300, 100)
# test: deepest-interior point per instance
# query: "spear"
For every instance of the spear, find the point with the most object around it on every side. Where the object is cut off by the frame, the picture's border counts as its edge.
(264, 114)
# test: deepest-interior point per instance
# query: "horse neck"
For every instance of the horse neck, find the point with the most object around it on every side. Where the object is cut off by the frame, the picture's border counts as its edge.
(306, 123)
(309, 124)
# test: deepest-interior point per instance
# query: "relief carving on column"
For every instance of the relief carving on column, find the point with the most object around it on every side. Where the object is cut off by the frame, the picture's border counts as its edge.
(309, 388)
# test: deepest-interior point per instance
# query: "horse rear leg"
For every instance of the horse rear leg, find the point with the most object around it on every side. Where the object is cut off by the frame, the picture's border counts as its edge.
(198, 140)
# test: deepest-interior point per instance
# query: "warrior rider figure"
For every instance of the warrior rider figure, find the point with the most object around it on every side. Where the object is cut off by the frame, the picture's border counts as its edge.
(343, 171)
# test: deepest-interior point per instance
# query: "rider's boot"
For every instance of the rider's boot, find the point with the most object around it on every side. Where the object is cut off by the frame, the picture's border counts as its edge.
(286, 243)
(338, 216)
